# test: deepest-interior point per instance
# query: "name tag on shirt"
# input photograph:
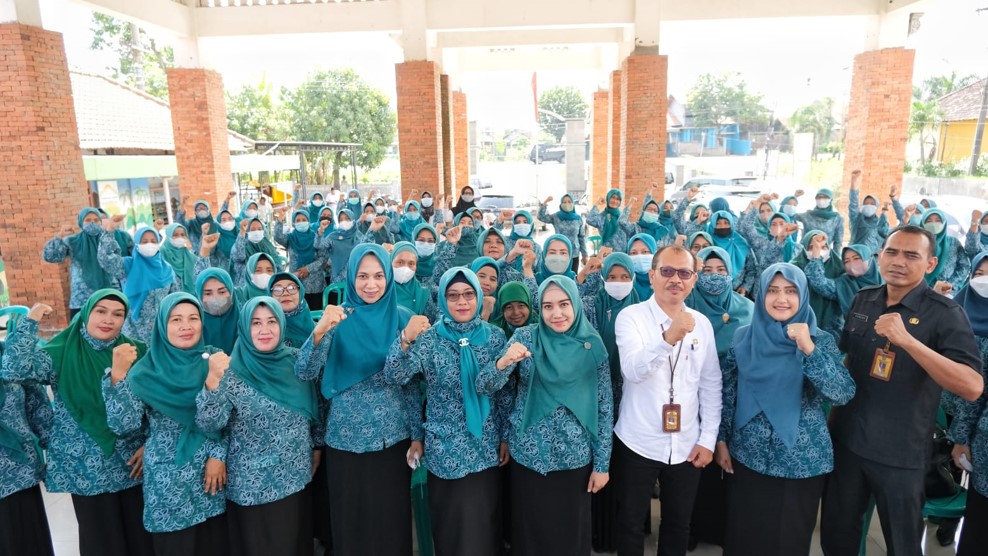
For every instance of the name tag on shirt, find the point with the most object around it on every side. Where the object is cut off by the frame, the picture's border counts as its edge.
(881, 367)
(670, 417)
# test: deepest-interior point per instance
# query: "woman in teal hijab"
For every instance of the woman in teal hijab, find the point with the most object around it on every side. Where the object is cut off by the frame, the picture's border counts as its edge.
(220, 308)
(557, 253)
(561, 422)
(712, 295)
(268, 414)
(652, 223)
(827, 310)
(953, 265)
(463, 439)
(824, 218)
(641, 249)
(612, 221)
(425, 247)
(698, 241)
(408, 222)
(466, 247)
(722, 227)
(289, 292)
(373, 429)
(159, 392)
(252, 241)
(860, 271)
(316, 204)
(82, 248)
(412, 295)
(780, 373)
(175, 250)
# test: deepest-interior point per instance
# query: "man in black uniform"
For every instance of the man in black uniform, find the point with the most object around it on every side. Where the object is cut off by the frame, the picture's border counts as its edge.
(904, 342)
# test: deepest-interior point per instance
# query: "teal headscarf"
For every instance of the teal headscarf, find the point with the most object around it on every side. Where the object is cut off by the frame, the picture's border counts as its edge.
(313, 210)
(168, 379)
(827, 213)
(194, 228)
(298, 322)
(658, 229)
(303, 244)
(544, 273)
(182, 260)
(245, 208)
(219, 331)
(726, 311)
(770, 377)
(508, 293)
(328, 213)
(412, 295)
(565, 369)
(145, 274)
(426, 264)
(610, 216)
(250, 289)
(735, 244)
(407, 226)
(762, 227)
(643, 286)
(466, 248)
(790, 248)
(475, 266)
(354, 206)
(483, 237)
(362, 340)
(943, 243)
(608, 309)
(272, 373)
(468, 335)
(528, 219)
(848, 286)
(824, 309)
(85, 251)
(79, 370)
(227, 237)
(693, 236)
(567, 214)
(263, 246)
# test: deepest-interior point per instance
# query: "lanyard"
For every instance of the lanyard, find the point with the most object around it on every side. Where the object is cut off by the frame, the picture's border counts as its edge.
(672, 366)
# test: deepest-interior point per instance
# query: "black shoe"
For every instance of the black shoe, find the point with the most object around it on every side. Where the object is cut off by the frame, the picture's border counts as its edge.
(691, 544)
(945, 533)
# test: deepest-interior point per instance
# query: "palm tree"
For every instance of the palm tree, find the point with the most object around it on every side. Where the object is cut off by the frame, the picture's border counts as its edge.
(925, 117)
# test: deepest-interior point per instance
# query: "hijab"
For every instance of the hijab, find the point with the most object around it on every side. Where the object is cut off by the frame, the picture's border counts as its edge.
(736, 246)
(770, 377)
(194, 227)
(168, 379)
(567, 214)
(466, 248)
(608, 308)
(643, 286)
(411, 295)
(303, 244)
(975, 306)
(313, 210)
(327, 212)
(250, 289)
(610, 216)
(219, 331)
(298, 324)
(943, 244)
(762, 227)
(406, 226)
(263, 246)
(85, 252)
(182, 261)
(145, 274)
(427, 212)
(658, 230)
(508, 293)
(726, 311)
(528, 219)
(227, 238)
(245, 208)
(693, 236)
(827, 213)
(79, 369)
(426, 264)
(352, 206)
(864, 225)
(824, 309)
(461, 205)
(272, 373)
(565, 365)
(790, 247)
(362, 340)
(544, 273)
(476, 333)
(694, 209)
(720, 204)
(482, 237)
(848, 286)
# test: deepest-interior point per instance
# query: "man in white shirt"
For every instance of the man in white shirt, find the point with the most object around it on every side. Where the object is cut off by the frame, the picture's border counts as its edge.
(670, 406)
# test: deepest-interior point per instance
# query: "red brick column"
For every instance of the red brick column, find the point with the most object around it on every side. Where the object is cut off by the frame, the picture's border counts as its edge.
(202, 148)
(599, 146)
(614, 132)
(461, 141)
(420, 127)
(878, 121)
(446, 107)
(44, 185)
(643, 126)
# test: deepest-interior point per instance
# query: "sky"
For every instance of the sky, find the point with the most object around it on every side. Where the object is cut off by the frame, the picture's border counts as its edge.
(791, 61)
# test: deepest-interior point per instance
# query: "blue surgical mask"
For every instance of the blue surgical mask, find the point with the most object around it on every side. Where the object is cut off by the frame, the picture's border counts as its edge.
(523, 229)
(302, 227)
(413, 215)
(650, 217)
(427, 202)
(642, 263)
(789, 210)
(425, 248)
(934, 227)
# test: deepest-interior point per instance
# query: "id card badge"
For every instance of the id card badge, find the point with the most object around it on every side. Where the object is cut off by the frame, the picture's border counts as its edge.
(881, 367)
(670, 417)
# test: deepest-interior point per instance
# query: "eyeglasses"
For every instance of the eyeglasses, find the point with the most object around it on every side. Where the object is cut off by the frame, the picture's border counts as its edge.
(468, 295)
(668, 272)
(287, 290)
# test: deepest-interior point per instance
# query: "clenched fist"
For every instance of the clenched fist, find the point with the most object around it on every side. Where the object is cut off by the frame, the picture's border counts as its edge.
(682, 324)
(515, 353)
(799, 332)
(219, 362)
(416, 326)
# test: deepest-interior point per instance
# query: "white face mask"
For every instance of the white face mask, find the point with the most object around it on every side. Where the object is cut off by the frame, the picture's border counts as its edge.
(467, 198)
(980, 285)
(523, 229)
(642, 263)
(789, 210)
(345, 225)
(824, 254)
(557, 264)
(856, 269)
(317, 202)
(869, 210)
(251, 213)
(255, 236)
(261, 279)
(427, 202)
(202, 214)
(984, 229)
(178, 242)
(302, 227)
(822, 203)
(403, 274)
(229, 225)
(379, 209)
(619, 290)
(934, 227)
(148, 249)
(425, 248)
(217, 306)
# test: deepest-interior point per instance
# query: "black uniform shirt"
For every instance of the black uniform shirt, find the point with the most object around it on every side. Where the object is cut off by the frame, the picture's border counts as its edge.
(892, 422)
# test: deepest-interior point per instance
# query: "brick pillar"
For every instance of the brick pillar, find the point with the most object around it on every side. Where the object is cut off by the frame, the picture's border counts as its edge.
(420, 127)
(44, 184)
(614, 132)
(643, 126)
(446, 107)
(202, 148)
(878, 121)
(599, 146)
(461, 141)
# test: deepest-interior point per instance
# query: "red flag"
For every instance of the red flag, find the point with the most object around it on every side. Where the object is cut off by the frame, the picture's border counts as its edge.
(535, 96)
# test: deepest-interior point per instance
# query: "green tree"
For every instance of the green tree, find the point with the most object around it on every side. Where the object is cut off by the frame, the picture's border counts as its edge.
(935, 87)
(564, 101)
(716, 100)
(925, 115)
(253, 112)
(816, 118)
(141, 61)
(338, 106)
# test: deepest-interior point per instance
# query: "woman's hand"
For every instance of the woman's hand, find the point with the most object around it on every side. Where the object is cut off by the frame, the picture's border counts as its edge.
(215, 476)
(39, 311)
(332, 315)
(124, 357)
(219, 362)
(414, 454)
(416, 326)
(515, 353)
(723, 457)
(316, 460)
(503, 455)
(136, 463)
(799, 332)
(597, 481)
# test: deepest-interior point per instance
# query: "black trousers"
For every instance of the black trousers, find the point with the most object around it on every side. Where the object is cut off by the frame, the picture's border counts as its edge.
(464, 514)
(710, 508)
(770, 516)
(318, 493)
(634, 477)
(24, 524)
(974, 535)
(209, 538)
(112, 524)
(272, 528)
(550, 514)
(898, 496)
(370, 501)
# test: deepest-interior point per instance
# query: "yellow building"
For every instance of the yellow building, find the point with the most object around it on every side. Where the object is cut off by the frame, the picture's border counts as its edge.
(960, 119)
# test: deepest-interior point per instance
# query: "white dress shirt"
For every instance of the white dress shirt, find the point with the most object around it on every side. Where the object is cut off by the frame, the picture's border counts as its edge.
(645, 365)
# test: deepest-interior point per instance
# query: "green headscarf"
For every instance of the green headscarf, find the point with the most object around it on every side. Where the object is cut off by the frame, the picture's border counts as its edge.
(412, 295)
(737, 308)
(509, 293)
(272, 373)
(182, 260)
(608, 308)
(250, 289)
(610, 216)
(79, 370)
(298, 323)
(942, 244)
(168, 379)
(565, 370)
(824, 309)
(263, 246)
(827, 213)
(848, 286)
(85, 248)
(219, 331)
(466, 248)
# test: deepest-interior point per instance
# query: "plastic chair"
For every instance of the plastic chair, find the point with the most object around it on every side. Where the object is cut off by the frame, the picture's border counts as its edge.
(339, 288)
(14, 314)
(595, 241)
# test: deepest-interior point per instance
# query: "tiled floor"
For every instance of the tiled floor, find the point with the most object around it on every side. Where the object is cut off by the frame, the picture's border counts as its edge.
(65, 534)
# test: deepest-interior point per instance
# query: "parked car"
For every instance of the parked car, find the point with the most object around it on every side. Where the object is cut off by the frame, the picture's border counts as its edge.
(712, 186)
(670, 178)
(494, 204)
(547, 153)
(478, 183)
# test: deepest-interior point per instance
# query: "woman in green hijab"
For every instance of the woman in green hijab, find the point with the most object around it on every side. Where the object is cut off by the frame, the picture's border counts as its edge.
(260, 268)
(816, 246)
(412, 295)
(268, 414)
(159, 393)
(100, 468)
(85, 273)
(561, 422)
(253, 239)
(220, 308)
(176, 252)
(514, 302)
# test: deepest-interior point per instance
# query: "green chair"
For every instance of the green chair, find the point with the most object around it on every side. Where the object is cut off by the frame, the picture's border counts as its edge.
(595, 241)
(420, 509)
(339, 288)
(14, 314)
